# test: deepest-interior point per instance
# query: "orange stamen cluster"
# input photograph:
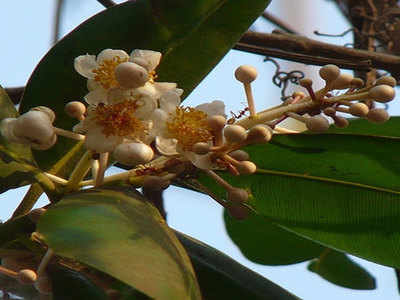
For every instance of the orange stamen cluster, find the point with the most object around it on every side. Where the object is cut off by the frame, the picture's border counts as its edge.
(152, 76)
(105, 72)
(118, 119)
(189, 126)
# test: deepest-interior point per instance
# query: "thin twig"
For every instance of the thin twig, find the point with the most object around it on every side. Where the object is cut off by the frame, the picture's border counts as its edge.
(15, 93)
(107, 3)
(57, 21)
(278, 22)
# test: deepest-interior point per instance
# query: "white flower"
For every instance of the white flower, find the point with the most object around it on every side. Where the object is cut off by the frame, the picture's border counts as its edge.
(178, 129)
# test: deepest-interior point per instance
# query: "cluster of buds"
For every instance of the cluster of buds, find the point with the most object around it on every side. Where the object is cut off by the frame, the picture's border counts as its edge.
(141, 123)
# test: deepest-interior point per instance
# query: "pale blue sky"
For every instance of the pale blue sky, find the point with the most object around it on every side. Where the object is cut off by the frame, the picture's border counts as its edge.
(26, 36)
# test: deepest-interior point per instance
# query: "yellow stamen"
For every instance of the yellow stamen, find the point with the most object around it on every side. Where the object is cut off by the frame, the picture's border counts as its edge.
(105, 72)
(118, 119)
(189, 126)
(152, 76)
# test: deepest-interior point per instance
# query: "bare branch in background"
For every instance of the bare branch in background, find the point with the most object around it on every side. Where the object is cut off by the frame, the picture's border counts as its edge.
(107, 3)
(278, 22)
(15, 93)
(57, 21)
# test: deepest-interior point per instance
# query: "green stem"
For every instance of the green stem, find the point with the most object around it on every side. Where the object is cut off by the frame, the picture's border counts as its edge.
(30, 198)
(79, 172)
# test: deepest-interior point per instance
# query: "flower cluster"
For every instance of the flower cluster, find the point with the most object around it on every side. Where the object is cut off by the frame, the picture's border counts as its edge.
(141, 123)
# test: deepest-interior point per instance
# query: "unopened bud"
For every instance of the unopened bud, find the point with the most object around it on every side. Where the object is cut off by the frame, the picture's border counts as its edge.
(329, 72)
(216, 122)
(235, 133)
(306, 82)
(201, 148)
(359, 109)
(357, 82)
(44, 109)
(317, 124)
(378, 115)
(259, 134)
(382, 93)
(75, 109)
(246, 167)
(237, 195)
(130, 75)
(27, 276)
(342, 82)
(239, 155)
(132, 154)
(330, 111)
(246, 74)
(388, 80)
(341, 122)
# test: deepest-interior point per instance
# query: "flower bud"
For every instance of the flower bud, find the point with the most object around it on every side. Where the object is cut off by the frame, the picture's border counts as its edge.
(359, 109)
(342, 82)
(388, 80)
(246, 167)
(357, 83)
(132, 154)
(306, 82)
(27, 276)
(75, 109)
(237, 195)
(246, 74)
(259, 134)
(239, 155)
(201, 148)
(216, 122)
(382, 93)
(317, 124)
(329, 72)
(330, 111)
(341, 122)
(50, 114)
(130, 75)
(378, 115)
(235, 133)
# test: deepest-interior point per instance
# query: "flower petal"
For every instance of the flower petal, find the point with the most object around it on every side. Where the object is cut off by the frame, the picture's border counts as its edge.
(92, 84)
(147, 106)
(146, 58)
(169, 101)
(166, 146)
(85, 64)
(109, 54)
(95, 140)
(213, 108)
(96, 96)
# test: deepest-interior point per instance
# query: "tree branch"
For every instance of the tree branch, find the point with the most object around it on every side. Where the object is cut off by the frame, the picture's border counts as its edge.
(298, 45)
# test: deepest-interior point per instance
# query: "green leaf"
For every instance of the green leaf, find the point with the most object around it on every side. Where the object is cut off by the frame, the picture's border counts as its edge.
(340, 190)
(192, 35)
(12, 173)
(15, 228)
(121, 234)
(220, 277)
(339, 269)
(263, 242)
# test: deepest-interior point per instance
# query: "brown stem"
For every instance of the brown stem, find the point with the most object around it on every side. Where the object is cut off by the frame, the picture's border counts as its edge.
(304, 46)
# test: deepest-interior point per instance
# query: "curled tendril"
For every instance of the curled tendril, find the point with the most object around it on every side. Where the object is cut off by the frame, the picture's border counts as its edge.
(282, 79)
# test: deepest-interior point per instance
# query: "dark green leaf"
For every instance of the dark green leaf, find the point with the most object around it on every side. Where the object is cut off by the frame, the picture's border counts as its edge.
(339, 269)
(341, 190)
(15, 228)
(220, 277)
(263, 242)
(12, 173)
(121, 234)
(192, 35)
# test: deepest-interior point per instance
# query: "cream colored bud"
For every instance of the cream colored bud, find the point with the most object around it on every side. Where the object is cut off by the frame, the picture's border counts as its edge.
(342, 82)
(27, 276)
(330, 111)
(235, 133)
(317, 124)
(359, 109)
(155, 183)
(216, 122)
(75, 109)
(388, 80)
(382, 93)
(378, 115)
(130, 75)
(246, 74)
(237, 195)
(246, 167)
(43, 285)
(329, 73)
(132, 154)
(45, 145)
(341, 122)
(201, 148)
(259, 134)
(357, 83)
(50, 114)
(306, 82)
(239, 155)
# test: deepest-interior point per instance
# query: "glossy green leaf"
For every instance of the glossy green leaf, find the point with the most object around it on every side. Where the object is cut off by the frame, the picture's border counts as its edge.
(220, 277)
(341, 190)
(339, 269)
(192, 35)
(121, 234)
(12, 173)
(263, 242)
